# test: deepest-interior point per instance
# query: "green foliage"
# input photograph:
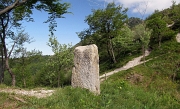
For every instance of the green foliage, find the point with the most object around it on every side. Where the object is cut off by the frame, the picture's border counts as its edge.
(124, 40)
(158, 26)
(174, 12)
(57, 70)
(13, 12)
(104, 25)
(24, 66)
(133, 21)
(142, 34)
(159, 22)
(23, 10)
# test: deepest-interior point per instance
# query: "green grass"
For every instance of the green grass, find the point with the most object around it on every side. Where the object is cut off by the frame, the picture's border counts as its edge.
(116, 93)
(12, 101)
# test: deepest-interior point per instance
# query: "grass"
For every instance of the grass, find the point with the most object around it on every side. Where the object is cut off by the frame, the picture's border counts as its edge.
(11, 101)
(116, 93)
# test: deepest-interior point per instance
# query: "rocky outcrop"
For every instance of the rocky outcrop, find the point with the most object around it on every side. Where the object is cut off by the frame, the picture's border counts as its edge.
(85, 73)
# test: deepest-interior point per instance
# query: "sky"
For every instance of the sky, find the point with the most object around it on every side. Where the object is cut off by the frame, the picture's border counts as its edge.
(74, 21)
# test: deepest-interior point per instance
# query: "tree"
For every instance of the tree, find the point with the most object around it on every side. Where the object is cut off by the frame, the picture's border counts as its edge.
(158, 26)
(22, 59)
(133, 21)
(124, 41)
(60, 62)
(12, 6)
(23, 9)
(1, 64)
(175, 16)
(103, 26)
(12, 12)
(17, 40)
(142, 34)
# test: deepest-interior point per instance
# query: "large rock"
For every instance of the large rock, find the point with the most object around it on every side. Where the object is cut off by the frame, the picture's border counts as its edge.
(85, 73)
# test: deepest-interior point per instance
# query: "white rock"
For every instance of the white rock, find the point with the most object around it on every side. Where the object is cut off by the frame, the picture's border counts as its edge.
(85, 73)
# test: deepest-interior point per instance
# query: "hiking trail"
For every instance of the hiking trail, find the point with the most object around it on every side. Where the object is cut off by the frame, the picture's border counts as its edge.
(136, 61)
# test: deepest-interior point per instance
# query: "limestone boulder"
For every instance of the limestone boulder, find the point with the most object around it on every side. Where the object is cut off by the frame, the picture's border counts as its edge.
(85, 73)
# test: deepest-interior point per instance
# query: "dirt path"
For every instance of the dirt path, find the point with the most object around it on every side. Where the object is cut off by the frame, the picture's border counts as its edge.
(130, 64)
(41, 93)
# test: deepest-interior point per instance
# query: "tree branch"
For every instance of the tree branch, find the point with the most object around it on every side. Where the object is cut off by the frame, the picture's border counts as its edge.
(9, 8)
(11, 49)
(3, 29)
(7, 21)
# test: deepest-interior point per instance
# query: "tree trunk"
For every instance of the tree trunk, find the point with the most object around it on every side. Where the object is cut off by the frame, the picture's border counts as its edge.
(2, 64)
(7, 64)
(143, 51)
(3, 37)
(10, 72)
(23, 70)
(108, 51)
(0, 73)
(112, 51)
(159, 42)
(58, 70)
(58, 78)
(24, 81)
(110, 46)
(2, 70)
(160, 38)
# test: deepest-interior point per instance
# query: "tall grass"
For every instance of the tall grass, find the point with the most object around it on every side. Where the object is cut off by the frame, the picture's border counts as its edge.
(118, 94)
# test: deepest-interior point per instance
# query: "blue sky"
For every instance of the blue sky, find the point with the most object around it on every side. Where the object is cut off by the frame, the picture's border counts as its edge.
(72, 23)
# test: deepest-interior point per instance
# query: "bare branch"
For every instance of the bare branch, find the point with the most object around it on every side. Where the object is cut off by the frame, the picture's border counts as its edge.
(141, 12)
(7, 21)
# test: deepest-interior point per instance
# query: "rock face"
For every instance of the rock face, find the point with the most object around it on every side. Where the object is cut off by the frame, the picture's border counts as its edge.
(85, 73)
